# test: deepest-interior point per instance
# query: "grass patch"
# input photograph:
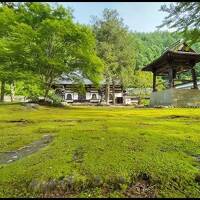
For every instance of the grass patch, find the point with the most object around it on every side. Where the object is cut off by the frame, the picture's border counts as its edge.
(101, 152)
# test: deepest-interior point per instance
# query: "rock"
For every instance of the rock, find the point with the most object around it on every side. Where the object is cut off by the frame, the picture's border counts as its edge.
(69, 182)
(65, 104)
(197, 179)
(161, 106)
(139, 106)
(15, 157)
(43, 187)
(51, 185)
(97, 181)
(122, 180)
(62, 184)
(34, 186)
(31, 105)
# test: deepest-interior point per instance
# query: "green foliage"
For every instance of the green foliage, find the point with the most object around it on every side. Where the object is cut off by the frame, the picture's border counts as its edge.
(44, 41)
(183, 17)
(142, 79)
(152, 45)
(145, 102)
(114, 44)
(149, 47)
(56, 100)
(30, 88)
(7, 20)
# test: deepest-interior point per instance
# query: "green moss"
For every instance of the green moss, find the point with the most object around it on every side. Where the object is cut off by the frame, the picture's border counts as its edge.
(102, 142)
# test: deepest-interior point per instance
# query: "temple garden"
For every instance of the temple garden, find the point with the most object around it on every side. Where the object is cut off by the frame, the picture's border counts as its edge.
(99, 152)
(104, 107)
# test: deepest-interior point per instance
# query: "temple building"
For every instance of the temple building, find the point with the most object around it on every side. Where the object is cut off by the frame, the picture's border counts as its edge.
(70, 92)
(175, 60)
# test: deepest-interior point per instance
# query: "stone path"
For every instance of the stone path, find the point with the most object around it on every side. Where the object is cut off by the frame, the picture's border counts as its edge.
(11, 156)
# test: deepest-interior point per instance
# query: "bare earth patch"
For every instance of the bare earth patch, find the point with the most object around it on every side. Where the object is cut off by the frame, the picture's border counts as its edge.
(11, 156)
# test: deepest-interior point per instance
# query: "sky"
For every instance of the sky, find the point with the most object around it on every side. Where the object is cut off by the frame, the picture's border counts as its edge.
(139, 16)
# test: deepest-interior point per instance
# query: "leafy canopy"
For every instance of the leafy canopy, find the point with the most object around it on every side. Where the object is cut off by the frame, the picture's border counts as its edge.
(183, 17)
(45, 42)
(115, 45)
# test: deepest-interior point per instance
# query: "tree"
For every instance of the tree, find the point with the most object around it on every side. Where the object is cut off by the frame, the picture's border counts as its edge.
(183, 17)
(45, 42)
(149, 47)
(8, 19)
(14, 53)
(114, 47)
(68, 47)
(10, 4)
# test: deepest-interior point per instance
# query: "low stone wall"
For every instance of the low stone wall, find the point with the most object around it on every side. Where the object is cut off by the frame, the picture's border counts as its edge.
(16, 98)
(176, 97)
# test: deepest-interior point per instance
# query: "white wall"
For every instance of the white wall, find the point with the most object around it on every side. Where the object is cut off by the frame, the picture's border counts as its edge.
(119, 94)
(129, 101)
(75, 96)
(88, 95)
(16, 98)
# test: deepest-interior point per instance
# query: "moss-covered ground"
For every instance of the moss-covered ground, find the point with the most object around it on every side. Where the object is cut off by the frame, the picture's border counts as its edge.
(103, 151)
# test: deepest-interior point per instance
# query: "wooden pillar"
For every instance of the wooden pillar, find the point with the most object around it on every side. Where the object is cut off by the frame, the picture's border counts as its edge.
(154, 82)
(3, 83)
(174, 76)
(194, 78)
(113, 91)
(171, 80)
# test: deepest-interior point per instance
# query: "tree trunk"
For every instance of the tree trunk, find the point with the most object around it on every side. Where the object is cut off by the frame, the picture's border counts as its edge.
(12, 91)
(139, 100)
(113, 92)
(107, 93)
(46, 93)
(3, 83)
(47, 89)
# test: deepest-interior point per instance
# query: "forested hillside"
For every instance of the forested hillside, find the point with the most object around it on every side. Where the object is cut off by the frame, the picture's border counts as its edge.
(151, 45)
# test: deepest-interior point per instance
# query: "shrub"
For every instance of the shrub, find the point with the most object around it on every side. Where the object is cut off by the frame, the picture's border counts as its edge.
(56, 100)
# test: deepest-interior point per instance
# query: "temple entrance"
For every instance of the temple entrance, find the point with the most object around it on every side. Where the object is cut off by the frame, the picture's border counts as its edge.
(119, 100)
(69, 97)
(94, 97)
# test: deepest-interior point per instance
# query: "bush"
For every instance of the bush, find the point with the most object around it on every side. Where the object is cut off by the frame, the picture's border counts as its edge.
(145, 102)
(56, 100)
(33, 99)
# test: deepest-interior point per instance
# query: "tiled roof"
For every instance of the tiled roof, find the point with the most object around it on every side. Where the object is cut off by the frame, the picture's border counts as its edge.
(70, 79)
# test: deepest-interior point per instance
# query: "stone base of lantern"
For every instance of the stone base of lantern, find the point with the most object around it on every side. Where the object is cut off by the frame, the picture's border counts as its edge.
(176, 98)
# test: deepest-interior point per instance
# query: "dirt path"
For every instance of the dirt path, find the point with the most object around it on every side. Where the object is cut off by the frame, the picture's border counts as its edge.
(11, 156)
